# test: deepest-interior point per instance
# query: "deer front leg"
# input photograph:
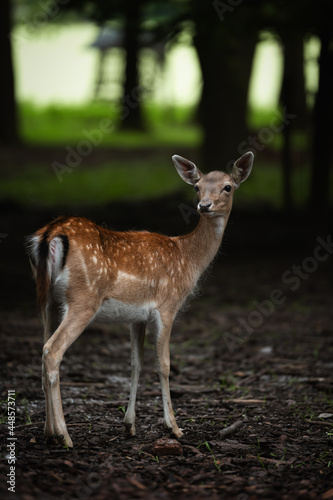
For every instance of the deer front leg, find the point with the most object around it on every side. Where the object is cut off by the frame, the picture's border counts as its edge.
(163, 368)
(137, 340)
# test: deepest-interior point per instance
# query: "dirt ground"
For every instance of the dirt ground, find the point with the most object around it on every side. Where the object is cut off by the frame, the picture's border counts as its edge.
(254, 349)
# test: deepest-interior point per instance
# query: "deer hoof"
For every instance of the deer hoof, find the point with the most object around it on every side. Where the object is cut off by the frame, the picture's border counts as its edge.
(130, 429)
(60, 440)
(177, 433)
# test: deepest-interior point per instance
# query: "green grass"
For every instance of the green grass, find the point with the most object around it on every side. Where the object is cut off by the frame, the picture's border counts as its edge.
(38, 185)
(61, 125)
(216, 462)
(139, 178)
(164, 126)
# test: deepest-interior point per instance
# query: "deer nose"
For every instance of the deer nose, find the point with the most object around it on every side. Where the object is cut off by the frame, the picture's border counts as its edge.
(204, 206)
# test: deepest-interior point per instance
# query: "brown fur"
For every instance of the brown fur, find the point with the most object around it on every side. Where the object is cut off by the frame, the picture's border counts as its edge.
(82, 269)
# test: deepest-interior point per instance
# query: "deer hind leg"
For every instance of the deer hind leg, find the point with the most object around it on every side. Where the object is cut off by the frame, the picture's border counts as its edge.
(138, 331)
(73, 324)
(51, 319)
(163, 367)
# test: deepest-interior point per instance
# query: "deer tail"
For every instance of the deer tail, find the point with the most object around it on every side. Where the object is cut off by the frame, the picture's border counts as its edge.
(47, 258)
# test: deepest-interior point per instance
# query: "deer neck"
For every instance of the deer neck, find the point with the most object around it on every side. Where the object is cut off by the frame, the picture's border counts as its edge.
(203, 243)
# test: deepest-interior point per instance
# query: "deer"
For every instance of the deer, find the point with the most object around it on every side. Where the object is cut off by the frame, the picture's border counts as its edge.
(85, 272)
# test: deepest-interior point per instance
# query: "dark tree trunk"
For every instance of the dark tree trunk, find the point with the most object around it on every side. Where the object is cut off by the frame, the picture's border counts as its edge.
(323, 126)
(293, 86)
(226, 62)
(8, 120)
(131, 116)
(287, 169)
(293, 100)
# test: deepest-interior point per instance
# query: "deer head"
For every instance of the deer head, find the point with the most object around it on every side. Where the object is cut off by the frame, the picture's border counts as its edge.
(215, 190)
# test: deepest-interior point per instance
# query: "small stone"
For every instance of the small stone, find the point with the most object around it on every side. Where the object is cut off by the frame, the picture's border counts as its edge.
(166, 446)
(266, 350)
(326, 415)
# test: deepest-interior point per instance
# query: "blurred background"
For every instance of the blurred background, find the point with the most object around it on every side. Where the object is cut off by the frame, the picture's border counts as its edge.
(97, 95)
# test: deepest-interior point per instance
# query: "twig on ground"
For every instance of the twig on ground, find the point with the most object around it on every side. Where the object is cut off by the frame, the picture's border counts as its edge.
(246, 401)
(319, 422)
(228, 431)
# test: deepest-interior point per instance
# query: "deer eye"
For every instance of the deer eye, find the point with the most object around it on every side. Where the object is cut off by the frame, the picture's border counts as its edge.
(227, 188)
(196, 189)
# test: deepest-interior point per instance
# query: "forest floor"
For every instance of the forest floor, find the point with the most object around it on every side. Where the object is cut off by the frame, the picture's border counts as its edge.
(254, 348)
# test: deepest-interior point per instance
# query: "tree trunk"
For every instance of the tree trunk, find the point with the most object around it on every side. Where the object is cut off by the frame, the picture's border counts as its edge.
(293, 100)
(226, 63)
(293, 85)
(131, 116)
(323, 127)
(287, 169)
(8, 121)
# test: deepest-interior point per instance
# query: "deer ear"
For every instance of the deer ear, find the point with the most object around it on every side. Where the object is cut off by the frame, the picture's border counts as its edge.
(186, 169)
(242, 168)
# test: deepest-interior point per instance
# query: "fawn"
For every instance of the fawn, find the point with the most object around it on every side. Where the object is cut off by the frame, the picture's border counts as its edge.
(85, 272)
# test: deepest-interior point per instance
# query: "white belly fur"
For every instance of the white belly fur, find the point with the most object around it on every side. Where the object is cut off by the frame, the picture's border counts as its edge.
(115, 311)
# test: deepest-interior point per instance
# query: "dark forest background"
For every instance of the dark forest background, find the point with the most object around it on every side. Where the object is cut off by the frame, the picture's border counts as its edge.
(111, 160)
(225, 35)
